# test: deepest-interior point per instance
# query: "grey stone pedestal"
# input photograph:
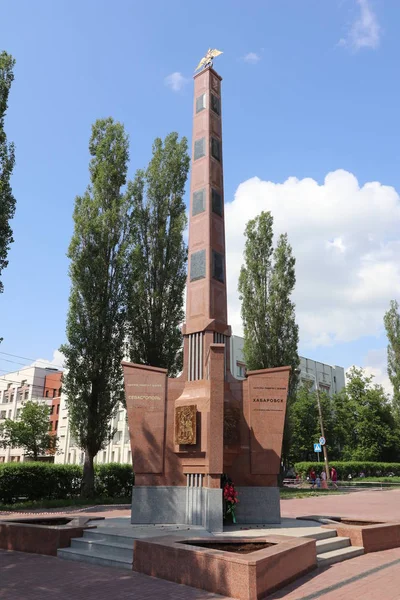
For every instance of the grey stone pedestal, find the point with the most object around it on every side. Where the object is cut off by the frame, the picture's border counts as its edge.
(179, 505)
(258, 505)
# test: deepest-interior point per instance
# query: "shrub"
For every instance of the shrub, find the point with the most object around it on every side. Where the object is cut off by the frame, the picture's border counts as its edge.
(353, 468)
(113, 479)
(38, 481)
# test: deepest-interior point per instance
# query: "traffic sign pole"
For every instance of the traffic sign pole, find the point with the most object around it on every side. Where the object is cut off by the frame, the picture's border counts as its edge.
(322, 433)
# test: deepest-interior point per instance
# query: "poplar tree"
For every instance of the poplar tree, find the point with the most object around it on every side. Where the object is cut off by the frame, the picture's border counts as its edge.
(7, 160)
(392, 326)
(266, 283)
(158, 258)
(98, 271)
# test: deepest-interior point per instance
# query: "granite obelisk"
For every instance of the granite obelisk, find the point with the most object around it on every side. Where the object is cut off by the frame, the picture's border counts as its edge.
(186, 432)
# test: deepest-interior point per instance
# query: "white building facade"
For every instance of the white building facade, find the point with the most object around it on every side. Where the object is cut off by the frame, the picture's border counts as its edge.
(16, 388)
(330, 379)
(117, 451)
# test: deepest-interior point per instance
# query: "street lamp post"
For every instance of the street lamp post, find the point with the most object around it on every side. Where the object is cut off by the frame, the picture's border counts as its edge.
(321, 424)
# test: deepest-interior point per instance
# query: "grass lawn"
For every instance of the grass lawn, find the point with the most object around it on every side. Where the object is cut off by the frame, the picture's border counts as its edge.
(287, 493)
(62, 503)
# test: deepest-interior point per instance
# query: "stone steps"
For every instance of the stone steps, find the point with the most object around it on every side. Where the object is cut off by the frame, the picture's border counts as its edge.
(333, 543)
(335, 556)
(323, 534)
(101, 548)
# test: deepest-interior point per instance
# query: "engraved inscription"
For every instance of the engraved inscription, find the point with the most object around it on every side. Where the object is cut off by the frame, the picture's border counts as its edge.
(198, 265)
(215, 104)
(216, 200)
(218, 266)
(199, 202)
(199, 148)
(215, 148)
(200, 103)
(185, 425)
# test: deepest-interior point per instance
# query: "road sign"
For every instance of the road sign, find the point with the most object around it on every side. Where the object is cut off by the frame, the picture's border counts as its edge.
(322, 441)
(317, 447)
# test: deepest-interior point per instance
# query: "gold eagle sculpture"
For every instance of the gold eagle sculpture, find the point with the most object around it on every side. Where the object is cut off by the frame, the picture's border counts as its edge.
(207, 60)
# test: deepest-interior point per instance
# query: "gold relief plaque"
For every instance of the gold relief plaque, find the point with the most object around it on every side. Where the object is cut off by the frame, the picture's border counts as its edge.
(185, 425)
(231, 426)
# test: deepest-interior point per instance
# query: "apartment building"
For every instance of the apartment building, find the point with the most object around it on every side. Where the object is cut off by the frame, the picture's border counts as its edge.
(118, 450)
(18, 387)
(331, 379)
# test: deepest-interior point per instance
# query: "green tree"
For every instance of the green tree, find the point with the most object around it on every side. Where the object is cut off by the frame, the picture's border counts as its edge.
(266, 284)
(305, 425)
(158, 258)
(7, 159)
(367, 424)
(99, 272)
(392, 326)
(30, 432)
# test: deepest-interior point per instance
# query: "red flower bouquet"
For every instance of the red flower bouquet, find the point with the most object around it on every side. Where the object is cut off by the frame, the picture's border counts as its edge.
(230, 498)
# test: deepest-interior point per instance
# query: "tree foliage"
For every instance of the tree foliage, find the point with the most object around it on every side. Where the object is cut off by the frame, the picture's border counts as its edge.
(266, 283)
(158, 258)
(359, 422)
(30, 432)
(99, 272)
(7, 159)
(392, 326)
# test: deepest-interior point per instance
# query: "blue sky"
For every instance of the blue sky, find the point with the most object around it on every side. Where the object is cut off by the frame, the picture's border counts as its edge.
(309, 87)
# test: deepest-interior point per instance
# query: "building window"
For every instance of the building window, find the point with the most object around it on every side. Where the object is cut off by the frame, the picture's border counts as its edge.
(26, 395)
(198, 265)
(3, 414)
(23, 382)
(218, 266)
(215, 104)
(199, 202)
(216, 202)
(9, 413)
(2, 459)
(200, 103)
(54, 393)
(51, 410)
(199, 148)
(216, 148)
(129, 456)
(241, 370)
(59, 391)
(47, 394)
(18, 412)
(56, 426)
(58, 409)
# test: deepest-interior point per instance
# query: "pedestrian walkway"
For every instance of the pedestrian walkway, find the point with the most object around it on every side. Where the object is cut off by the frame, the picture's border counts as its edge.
(373, 505)
(368, 577)
(35, 577)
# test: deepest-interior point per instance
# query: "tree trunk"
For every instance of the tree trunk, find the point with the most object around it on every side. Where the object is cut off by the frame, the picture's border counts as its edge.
(87, 490)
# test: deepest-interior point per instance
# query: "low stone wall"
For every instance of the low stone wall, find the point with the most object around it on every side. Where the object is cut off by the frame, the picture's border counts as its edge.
(243, 576)
(39, 539)
(373, 538)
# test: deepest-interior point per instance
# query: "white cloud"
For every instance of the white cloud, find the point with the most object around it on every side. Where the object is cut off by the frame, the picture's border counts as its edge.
(56, 362)
(176, 81)
(375, 363)
(346, 240)
(252, 58)
(365, 32)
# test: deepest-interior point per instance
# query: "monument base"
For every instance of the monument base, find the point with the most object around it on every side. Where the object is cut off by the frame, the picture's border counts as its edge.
(178, 505)
(258, 505)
